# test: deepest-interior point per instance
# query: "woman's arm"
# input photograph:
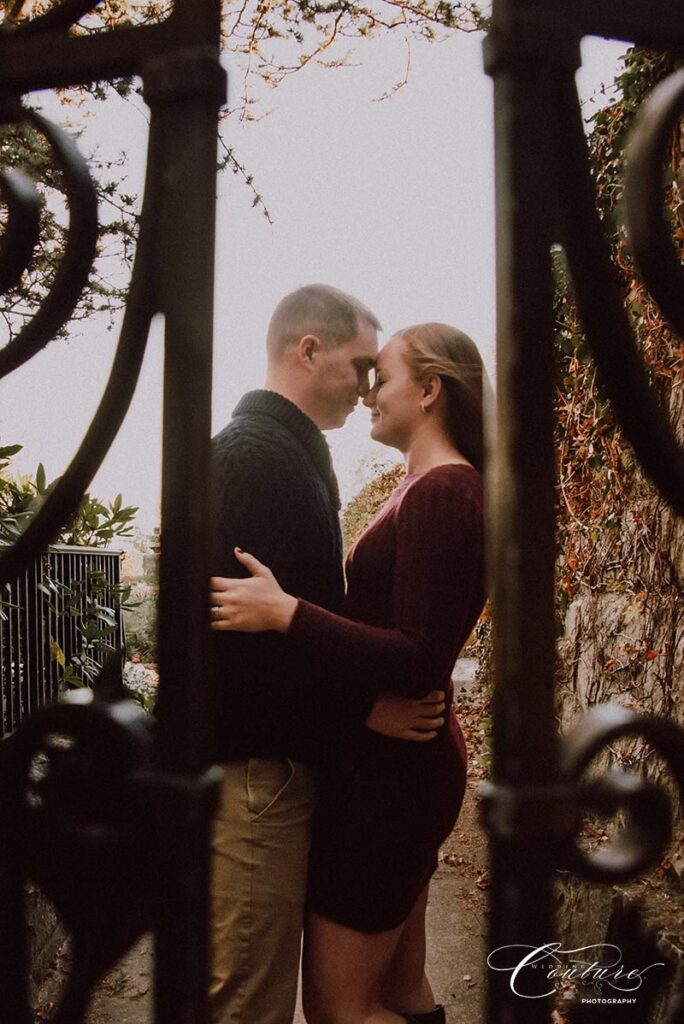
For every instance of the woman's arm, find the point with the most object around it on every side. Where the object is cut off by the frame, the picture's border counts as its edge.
(437, 593)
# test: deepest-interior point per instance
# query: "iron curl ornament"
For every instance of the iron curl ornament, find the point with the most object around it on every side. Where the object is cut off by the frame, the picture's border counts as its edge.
(80, 249)
(646, 807)
(648, 227)
(545, 197)
(109, 816)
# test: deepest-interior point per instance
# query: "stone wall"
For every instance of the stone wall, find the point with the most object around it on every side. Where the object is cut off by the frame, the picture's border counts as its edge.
(45, 935)
(142, 619)
(623, 642)
(623, 632)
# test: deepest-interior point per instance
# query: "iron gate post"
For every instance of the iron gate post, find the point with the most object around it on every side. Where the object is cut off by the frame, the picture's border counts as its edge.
(525, 54)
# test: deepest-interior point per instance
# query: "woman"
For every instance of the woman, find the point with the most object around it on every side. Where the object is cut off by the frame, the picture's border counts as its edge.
(415, 590)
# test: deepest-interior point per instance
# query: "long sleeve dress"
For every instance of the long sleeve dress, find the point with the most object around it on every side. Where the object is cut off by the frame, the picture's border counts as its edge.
(415, 588)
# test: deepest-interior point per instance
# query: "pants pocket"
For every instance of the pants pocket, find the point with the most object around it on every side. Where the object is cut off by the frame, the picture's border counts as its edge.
(267, 781)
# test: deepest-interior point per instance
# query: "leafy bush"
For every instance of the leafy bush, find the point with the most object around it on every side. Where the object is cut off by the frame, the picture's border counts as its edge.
(94, 524)
(359, 513)
(95, 604)
(142, 644)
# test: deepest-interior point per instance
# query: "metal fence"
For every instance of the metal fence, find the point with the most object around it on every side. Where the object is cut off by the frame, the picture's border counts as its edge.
(37, 628)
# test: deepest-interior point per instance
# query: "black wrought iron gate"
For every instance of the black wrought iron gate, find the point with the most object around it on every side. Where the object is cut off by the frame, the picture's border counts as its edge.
(87, 785)
(135, 817)
(545, 196)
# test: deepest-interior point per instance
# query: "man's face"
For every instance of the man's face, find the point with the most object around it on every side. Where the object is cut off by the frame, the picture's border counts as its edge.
(342, 376)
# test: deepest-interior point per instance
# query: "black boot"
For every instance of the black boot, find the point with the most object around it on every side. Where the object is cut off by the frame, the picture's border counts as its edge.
(436, 1016)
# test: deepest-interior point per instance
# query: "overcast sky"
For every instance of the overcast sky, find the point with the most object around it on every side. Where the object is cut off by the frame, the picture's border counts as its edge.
(390, 200)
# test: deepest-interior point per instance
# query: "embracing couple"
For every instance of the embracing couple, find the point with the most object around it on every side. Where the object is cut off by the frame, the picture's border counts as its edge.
(343, 771)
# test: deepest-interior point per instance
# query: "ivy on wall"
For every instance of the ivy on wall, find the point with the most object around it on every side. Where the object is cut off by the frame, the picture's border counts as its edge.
(598, 483)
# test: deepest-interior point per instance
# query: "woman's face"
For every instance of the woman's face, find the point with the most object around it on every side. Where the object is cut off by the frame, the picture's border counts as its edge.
(394, 400)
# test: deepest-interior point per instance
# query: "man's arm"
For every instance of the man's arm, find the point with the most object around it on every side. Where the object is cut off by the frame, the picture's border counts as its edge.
(406, 719)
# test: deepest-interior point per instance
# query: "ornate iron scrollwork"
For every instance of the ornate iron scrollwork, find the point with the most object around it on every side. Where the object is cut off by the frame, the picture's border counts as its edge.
(112, 824)
(82, 829)
(648, 820)
(79, 253)
(104, 834)
(641, 842)
(55, 311)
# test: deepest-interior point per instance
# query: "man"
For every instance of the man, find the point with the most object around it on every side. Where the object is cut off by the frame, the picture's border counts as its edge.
(276, 496)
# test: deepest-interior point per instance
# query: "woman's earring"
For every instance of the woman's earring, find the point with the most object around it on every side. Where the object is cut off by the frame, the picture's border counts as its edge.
(423, 407)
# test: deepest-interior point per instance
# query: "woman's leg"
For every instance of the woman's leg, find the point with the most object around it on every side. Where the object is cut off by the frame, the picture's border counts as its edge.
(343, 973)
(406, 987)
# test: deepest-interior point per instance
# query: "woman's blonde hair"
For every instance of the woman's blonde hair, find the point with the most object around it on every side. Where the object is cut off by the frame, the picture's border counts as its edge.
(445, 352)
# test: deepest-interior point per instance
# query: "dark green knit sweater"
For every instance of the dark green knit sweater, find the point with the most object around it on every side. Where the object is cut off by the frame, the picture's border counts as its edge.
(275, 495)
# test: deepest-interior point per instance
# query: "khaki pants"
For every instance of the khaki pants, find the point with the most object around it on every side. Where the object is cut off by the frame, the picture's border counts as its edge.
(259, 859)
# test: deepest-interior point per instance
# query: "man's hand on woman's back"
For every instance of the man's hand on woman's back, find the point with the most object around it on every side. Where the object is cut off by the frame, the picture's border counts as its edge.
(406, 719)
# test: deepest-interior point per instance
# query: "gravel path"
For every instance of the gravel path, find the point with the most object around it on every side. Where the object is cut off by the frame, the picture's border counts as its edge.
(456, 926)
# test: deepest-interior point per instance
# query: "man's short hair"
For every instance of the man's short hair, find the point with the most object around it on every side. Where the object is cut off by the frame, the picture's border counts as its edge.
(318, 309)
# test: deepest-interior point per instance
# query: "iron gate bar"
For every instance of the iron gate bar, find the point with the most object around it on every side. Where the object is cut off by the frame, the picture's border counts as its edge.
(64, 16)
(182, 95)
(52, 61)
(658, 24)
(521, 499)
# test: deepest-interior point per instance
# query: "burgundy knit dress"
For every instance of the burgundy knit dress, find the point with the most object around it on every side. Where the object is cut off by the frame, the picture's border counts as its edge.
(415, 588)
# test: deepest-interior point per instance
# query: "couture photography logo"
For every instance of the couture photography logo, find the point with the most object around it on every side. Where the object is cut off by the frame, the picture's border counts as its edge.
(598, 972)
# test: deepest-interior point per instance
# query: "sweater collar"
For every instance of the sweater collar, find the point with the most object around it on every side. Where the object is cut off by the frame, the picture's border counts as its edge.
(270, 403)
